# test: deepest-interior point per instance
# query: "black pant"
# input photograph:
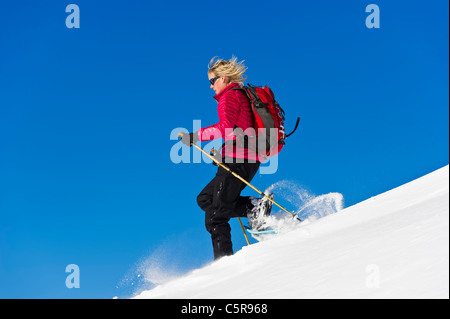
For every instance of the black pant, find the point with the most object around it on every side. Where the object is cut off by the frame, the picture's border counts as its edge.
(221, 200)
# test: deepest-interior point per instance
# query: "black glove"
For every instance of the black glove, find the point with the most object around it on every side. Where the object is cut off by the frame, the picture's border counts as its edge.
(217, 156)
(189, 139)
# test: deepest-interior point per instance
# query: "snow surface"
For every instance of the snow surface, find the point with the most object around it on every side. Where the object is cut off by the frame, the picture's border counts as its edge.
(394, 245)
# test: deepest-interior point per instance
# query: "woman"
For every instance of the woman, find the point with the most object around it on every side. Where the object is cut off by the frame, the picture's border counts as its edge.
(221, 199)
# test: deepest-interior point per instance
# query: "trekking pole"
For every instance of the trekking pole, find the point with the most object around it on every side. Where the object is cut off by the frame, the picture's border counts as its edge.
(243, 230)
(244, 181)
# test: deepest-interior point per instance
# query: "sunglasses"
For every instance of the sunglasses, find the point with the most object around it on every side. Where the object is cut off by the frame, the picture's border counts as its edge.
(214, 79)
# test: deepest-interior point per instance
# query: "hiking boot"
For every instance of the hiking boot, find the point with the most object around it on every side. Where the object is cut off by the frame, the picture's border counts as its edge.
(257, 216)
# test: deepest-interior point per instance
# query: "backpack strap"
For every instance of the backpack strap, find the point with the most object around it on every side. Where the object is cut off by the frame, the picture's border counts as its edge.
(245, 90)
(252, 96)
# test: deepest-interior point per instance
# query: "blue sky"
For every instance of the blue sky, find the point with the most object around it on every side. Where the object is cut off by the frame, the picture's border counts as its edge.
(86, 114)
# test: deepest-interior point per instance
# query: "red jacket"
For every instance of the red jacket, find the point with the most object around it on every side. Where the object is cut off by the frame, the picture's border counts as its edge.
(234, 111)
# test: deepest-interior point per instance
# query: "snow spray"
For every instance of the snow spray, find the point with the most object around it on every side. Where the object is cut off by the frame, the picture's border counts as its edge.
(307, 206)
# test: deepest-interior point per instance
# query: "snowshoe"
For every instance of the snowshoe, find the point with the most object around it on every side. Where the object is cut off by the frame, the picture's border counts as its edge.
(262, 231)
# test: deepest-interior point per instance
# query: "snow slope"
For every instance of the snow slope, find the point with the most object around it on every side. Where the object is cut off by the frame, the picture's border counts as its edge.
(394, 245)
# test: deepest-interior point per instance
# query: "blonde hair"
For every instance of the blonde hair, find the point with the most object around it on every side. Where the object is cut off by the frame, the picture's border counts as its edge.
(232, 69)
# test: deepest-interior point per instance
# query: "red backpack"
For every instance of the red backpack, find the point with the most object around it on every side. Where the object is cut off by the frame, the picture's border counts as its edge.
(269, 121)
